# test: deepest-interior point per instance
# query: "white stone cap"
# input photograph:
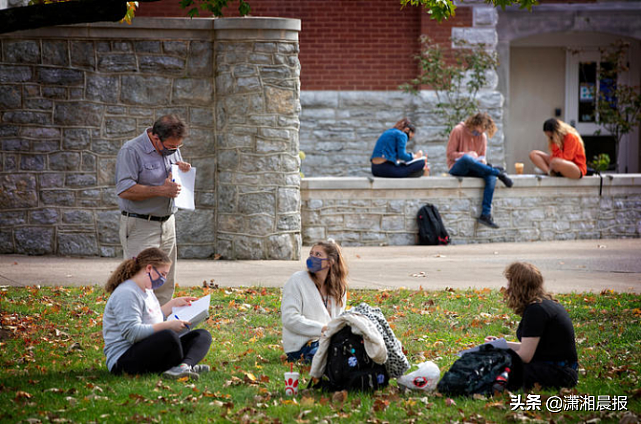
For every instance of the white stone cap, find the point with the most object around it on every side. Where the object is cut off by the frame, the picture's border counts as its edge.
(250, 22)
(524, 181)
(141, 28)
(257, 28)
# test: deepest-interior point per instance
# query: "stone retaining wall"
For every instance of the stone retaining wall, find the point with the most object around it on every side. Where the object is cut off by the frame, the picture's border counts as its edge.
(339, 128)
(378, 211)
(70, 97)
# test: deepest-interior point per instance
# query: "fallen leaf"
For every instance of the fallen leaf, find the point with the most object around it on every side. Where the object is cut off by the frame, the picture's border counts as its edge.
(449, 402)
(339, 397)
(380, 405)
(22, 395)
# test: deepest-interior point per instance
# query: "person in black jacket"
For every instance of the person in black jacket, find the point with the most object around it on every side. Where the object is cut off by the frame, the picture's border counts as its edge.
(546, 351)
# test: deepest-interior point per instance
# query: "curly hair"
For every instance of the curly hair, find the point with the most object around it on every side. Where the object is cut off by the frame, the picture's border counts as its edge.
(525, 286)
(559, 130)
(336, 281)
(482, 120)
(129, 267)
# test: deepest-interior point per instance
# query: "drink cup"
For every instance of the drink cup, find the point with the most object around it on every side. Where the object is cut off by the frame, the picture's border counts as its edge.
(518, 167)
(291, 383)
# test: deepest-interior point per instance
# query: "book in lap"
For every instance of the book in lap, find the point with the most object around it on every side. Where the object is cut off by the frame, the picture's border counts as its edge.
(196, 313)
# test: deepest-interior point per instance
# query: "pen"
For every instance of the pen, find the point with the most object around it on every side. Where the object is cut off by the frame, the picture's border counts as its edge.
(186, 325)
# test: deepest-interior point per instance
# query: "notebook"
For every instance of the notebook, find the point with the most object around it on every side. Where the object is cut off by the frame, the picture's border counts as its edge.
(196, 313)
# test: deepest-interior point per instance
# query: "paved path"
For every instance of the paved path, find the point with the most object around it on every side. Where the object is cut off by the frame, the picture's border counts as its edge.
(584, 265)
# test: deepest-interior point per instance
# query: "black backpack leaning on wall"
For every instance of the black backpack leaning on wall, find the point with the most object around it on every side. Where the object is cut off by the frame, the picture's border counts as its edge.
(431, 230)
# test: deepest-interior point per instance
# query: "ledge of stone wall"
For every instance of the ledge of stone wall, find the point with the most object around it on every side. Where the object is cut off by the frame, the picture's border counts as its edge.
(259, 28)
(140, 28)
(381, 211)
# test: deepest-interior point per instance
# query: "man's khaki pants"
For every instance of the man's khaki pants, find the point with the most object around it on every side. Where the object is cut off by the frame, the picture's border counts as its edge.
(138, 234)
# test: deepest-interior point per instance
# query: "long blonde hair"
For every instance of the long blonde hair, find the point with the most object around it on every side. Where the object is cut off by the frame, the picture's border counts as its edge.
(559, 130)
(482, 120)
(129, 267)
(525, 286)
(336, 281)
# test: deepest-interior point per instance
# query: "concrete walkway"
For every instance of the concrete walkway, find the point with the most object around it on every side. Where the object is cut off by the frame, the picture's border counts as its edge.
(584, 265)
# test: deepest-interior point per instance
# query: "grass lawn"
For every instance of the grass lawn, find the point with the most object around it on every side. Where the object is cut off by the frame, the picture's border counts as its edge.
(53, 368)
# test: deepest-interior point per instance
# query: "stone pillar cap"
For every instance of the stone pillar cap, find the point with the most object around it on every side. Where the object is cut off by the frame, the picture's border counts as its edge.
(250, 22)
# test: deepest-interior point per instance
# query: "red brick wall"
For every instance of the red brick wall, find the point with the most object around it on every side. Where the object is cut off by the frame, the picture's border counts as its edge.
(347, 44)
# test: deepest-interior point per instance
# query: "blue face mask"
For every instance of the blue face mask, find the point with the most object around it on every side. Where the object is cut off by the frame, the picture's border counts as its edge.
(315, 264)
(476, 133)
(158, 281)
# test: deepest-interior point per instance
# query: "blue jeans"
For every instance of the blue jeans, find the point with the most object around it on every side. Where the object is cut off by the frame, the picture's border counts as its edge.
(467, 166)
(306, 353)
(401, 170)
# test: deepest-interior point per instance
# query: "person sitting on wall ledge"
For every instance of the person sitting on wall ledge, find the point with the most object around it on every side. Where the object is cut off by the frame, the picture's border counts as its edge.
(466, 151)
(567, 157)
(390, 159)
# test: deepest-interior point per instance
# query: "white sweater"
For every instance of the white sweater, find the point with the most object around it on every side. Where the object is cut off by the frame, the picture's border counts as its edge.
(303, 312)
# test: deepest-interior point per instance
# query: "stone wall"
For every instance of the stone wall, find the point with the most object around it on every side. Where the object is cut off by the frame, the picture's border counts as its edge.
(71, 96)
(339, 128)
(378, 211)
(257, 85)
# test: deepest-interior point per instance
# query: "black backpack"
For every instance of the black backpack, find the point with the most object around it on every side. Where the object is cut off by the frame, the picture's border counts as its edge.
(349, 367)
(475, 372)
(431, 230)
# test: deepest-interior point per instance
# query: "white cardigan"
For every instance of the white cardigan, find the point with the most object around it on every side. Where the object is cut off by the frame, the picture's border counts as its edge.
(303, 313)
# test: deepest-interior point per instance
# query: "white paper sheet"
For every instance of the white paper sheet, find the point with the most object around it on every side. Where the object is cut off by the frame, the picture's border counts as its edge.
(498, 343)
(187, 180)
(188, 313)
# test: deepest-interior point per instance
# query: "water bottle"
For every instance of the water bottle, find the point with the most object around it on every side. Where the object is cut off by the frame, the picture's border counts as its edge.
(501, 381)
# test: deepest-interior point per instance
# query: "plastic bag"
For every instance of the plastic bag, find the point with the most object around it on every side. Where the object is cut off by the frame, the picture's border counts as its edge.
(424, 378)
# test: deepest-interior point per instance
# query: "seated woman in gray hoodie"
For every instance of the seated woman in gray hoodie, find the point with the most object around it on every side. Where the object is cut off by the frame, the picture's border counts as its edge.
(138, 339)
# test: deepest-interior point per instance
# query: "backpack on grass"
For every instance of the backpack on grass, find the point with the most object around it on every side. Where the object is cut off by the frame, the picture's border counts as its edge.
(349, 367)
(431, 230)
(475, 372)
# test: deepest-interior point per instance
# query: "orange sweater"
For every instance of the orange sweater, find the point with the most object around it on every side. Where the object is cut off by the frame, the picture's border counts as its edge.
(572, 150)
(462, 141)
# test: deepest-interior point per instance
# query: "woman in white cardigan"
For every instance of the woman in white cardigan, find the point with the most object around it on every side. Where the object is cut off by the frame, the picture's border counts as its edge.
(311, 299)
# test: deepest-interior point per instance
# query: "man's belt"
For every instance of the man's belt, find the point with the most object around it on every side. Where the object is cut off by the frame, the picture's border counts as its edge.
(146, 217)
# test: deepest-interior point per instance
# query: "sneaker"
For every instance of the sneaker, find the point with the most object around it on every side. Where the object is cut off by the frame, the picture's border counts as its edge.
(201, 368)
(180, 371)
(505, 179)
(487, 221)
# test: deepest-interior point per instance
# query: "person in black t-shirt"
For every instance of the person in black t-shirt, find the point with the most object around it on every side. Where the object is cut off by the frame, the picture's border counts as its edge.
(546, 352)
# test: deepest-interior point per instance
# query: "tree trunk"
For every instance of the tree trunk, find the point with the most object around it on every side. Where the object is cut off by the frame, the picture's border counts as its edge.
(63, 13)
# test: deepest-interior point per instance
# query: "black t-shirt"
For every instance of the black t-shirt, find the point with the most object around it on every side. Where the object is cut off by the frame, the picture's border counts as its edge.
(551, 322)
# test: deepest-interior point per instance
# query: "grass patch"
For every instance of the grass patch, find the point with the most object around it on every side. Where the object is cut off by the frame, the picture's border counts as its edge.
(53, 368)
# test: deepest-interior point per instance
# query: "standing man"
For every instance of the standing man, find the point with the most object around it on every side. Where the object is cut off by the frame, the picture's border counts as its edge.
(146, 190)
